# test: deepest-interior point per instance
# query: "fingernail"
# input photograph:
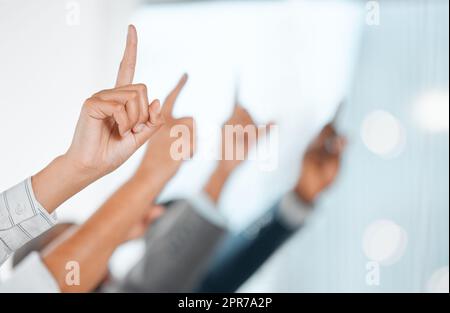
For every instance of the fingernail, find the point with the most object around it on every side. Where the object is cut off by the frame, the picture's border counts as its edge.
(138, 128)
(157, 110)
(128, 32)
(155, 114)
(154, 118)
(125, 134)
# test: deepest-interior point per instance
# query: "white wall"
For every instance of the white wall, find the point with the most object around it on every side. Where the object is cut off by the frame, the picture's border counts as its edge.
(48, 68)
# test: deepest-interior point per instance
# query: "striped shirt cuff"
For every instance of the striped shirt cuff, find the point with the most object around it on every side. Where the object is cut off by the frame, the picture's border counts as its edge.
(22, 218)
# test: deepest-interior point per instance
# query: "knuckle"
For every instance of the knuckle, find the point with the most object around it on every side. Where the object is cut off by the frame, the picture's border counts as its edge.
(89, 102)
(99, 93)
(134, 94)
(119, 108)
(141, 87)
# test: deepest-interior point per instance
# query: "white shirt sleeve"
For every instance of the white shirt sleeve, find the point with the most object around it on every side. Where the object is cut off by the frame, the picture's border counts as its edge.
(32, 276)
(293, 211)
(22, 218)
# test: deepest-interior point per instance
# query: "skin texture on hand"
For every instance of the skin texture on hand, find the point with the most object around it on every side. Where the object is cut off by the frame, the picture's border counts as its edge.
(321, 164)
(240, 141)
(112, 125)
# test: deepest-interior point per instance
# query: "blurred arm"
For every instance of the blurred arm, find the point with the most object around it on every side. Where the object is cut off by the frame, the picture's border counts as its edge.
(92, 244)
(238, 138)
(242, 255)
(178, 249)
(214, 187)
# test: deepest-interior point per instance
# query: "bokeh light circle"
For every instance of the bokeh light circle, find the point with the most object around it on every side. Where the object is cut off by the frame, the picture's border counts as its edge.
(383, 134)
(384, 242)
(431, 111)
(438, 282)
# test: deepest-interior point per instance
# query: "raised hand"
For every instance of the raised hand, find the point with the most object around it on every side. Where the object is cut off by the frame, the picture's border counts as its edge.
(321, 164)
(127, 213)
(172, 144)
(114, 123)
(239, 135)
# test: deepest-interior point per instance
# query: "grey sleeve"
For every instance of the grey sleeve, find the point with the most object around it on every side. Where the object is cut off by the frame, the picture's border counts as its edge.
(178, 248)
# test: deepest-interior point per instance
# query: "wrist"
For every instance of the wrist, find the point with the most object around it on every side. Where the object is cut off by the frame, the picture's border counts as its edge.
(216, 182)
(59, 181)
(222, 171)
(80, 170)
(306, 192)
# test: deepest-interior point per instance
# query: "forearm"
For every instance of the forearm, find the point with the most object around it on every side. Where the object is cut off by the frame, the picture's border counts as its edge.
(307, 189)
(92, 244)
(58, 181)
(214, 187)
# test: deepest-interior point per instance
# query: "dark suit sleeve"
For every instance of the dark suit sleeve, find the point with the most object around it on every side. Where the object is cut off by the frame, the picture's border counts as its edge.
(240, 256)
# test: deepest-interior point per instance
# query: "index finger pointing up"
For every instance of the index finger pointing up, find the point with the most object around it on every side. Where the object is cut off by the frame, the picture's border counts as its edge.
(128, 63)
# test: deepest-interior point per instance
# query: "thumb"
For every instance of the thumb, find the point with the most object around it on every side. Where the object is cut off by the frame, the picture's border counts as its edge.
(152, 126)
(154, 213)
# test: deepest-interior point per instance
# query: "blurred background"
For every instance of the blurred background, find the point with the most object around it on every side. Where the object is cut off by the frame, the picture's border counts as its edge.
(293, 62)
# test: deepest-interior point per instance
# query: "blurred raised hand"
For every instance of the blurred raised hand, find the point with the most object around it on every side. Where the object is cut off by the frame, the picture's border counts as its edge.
(320, 164)
(171, 145)
(239, 134)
